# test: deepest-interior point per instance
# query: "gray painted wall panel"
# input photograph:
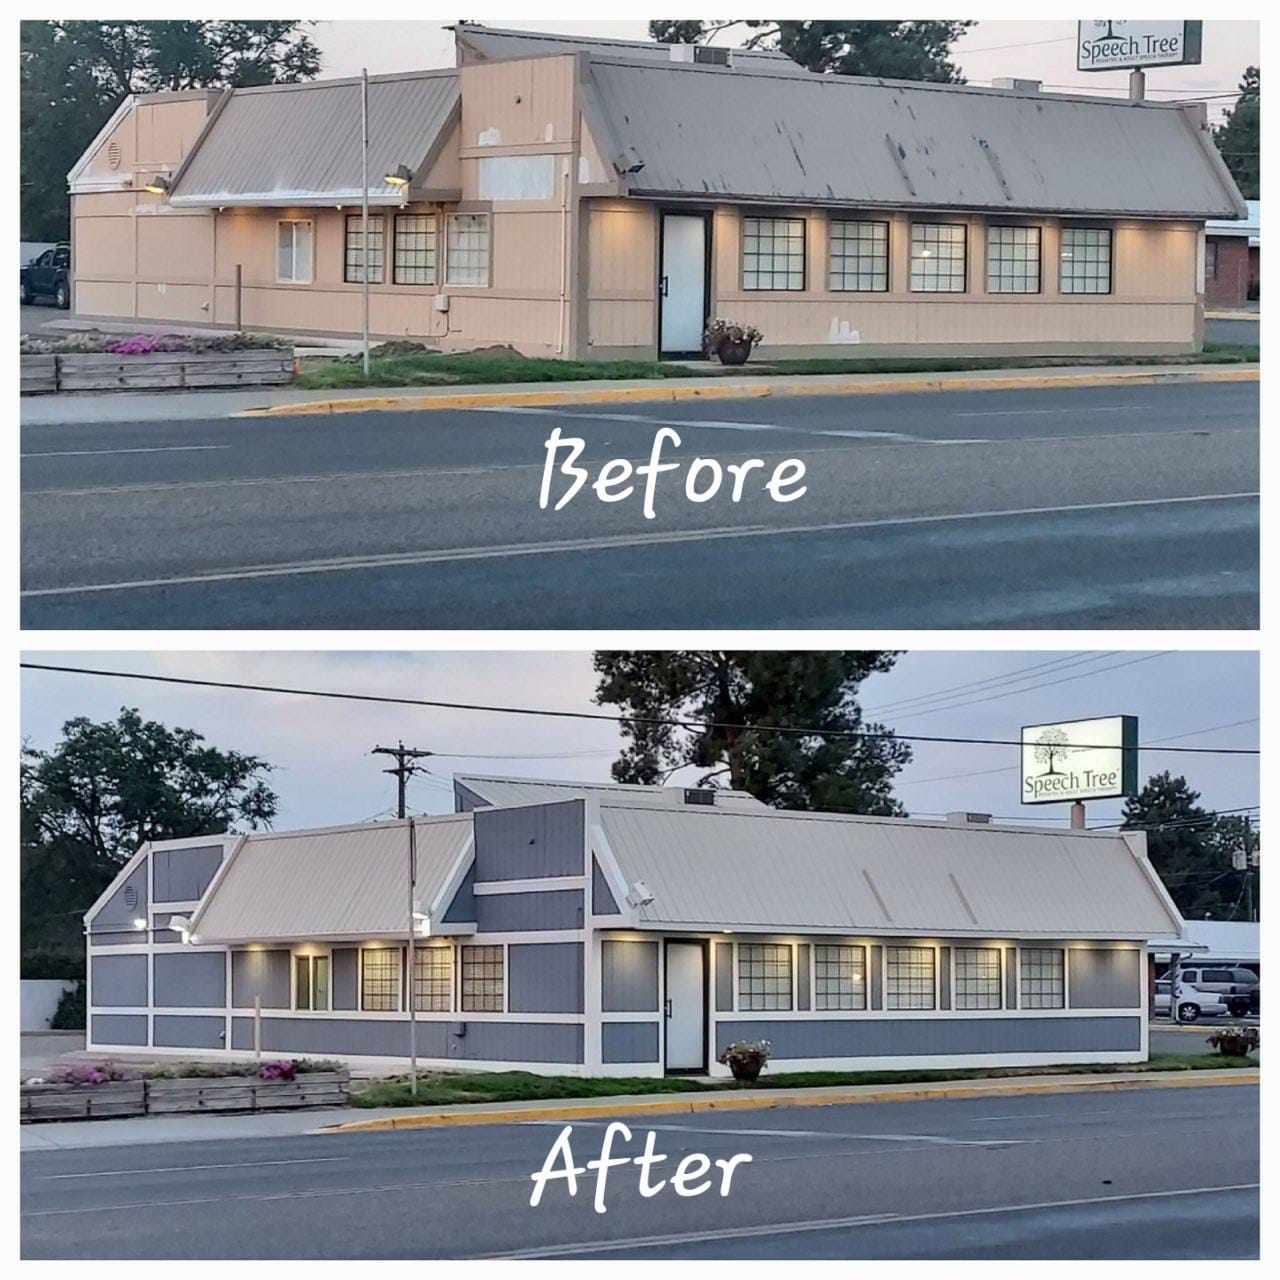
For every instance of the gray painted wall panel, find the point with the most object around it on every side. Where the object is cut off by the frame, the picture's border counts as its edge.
(628, 977)
(346, 978)
(724, 977)
(629, 1042)
(944, 977)
(1010, 978)
(181, 875)
(118, 980)
(127, 904)
(119, 1028)
(385, 1038)
(129, 939)
(544, 977)
(462, 910)
(802, 976)
(935, 1037)
(464, 799)
(260, 973)
(603, 903)
(1104, 978)
(531, 842)
(532, 912)
(189, 979)
(190, 1031)
(877, 976)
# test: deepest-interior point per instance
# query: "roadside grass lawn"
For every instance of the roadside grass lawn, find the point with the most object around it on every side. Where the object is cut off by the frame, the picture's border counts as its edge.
(455, 1087)
(427, 369)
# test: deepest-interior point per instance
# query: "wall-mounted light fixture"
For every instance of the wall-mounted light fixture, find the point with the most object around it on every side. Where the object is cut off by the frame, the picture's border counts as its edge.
(401, 176)
(157, 185)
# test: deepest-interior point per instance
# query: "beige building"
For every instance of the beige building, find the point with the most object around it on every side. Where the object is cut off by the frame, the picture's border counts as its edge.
(595, 199)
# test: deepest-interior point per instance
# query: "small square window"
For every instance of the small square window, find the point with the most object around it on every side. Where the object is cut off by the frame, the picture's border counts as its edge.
(937, 257)
(353, 264)
(977, 978)
(1085, 254)
(415, 258)
(764, 976)
(467, 249)
(482, 979)
(773, 254)
(433, 979)
(380, 979)
(839, 977)
(1042, 977)
(909, 977)
(859, 256)
(1013, 259)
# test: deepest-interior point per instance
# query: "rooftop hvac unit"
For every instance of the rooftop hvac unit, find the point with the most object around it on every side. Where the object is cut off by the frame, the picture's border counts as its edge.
(962, 818)
(702, 54)
(699, 795)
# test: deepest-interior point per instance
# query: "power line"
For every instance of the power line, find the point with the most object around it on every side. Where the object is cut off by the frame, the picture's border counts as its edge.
(557, 714)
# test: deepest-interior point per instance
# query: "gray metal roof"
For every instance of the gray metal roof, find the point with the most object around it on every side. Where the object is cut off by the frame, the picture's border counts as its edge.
(492, 43)
(300, 144)
(336, 882)
(794, 872)
(514, 791)
(713, 134)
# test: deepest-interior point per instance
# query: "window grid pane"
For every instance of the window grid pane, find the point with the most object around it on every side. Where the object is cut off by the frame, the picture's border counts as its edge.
(839, 977)
(859, 256)
(482, 979)
(1041, 978)
(764, 976)
(467, 249)
(908, 977)
(773, 253)
(937, 258)
(977, 978)
(1086, 260)
(354, 263)
(380, 981)
(1013, 259)
(433, 979)
(415, 260)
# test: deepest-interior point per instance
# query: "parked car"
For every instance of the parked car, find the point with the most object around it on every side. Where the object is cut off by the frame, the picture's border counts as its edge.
(1162, 1005)
(1237, 987)
(1191, 1004)
(48, 276)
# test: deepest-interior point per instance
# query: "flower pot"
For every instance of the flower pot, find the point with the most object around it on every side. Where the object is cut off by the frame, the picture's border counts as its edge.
(734, 352)
(745, 1072)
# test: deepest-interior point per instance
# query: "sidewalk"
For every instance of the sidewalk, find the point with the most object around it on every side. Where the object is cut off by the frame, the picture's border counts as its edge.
(176, 1129)
(154, 406)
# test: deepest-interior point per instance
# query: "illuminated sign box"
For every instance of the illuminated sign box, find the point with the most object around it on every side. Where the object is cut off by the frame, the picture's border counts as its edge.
(1124, 46)
(1080, 760)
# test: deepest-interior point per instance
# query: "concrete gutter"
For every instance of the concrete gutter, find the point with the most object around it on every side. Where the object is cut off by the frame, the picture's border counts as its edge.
(767, 1099)
(530, 395)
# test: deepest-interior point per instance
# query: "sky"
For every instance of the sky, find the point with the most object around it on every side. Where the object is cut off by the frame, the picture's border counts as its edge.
(324, 772)
(1032, 50)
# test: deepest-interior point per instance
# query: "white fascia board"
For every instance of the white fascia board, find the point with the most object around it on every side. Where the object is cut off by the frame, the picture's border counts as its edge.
(121, 876)
(452, 883)
(207, 897)
(284, 200)
(103, 134)
(1136, 843)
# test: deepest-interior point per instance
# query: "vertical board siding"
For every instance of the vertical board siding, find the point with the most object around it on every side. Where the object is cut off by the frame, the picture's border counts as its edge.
(189, 979)
(628, 977)
(802, 975)
(116, 915)
(260, 973)
(532, 842)
(1010, 977)
(1104, 978)
(629, 1042)
(118, 980)
(118, 1028)
(877, 977)
(346, 978)
(188, 1031)
(724, 977)
(462, 910)
(603, 902)
(544, 977)
(944, 977)
(529, 912)
(182, 875)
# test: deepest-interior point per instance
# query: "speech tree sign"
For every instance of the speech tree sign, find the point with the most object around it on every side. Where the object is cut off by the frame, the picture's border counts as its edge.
(1111, 45)
(1080, 760)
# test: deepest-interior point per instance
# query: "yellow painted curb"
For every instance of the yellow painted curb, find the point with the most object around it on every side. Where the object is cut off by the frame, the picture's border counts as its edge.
(764, 388)
(783, 1098)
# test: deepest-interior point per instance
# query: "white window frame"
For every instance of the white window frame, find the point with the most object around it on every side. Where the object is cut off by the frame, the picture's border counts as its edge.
(399, 952)
(875, 271)
(310, 957)
(449, 223)
(1024, 1001)
(1069, 233)
(309, 223)
(451, 997)
(739, 1002)
(956, 993)
(889, 995)
(1006, 281)
(926, 254)
(467, 947)
(815, 995)
(773, 270)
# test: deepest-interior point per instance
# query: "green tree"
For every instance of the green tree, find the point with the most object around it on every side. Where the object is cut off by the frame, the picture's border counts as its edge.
(895, 50)
(1239, 138)
(732, 697)
(73, 75)
(105, 789)
(1191, 848)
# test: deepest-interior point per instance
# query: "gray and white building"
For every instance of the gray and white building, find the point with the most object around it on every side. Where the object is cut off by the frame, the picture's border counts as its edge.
(616, 930)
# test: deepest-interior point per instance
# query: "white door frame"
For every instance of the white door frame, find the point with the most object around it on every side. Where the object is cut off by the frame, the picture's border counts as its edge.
(701, 947)
(664, 283)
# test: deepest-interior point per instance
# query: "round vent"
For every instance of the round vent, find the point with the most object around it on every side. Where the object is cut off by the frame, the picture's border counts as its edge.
(130, 896)
(113, 154)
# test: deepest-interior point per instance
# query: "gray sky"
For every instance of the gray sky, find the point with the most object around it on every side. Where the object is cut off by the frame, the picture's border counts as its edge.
(324, 773)
(1041, 51)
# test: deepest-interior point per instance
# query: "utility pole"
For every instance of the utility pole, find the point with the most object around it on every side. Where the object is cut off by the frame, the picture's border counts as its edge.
(404, 769)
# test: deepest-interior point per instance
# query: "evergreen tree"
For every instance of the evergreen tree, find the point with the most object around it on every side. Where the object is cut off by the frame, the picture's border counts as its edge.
(1239, 137)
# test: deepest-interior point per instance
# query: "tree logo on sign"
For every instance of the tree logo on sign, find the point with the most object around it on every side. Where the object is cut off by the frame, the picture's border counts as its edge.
(1051, 746)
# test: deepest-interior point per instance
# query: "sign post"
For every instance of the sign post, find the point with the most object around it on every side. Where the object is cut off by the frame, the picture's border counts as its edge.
(1078, 760)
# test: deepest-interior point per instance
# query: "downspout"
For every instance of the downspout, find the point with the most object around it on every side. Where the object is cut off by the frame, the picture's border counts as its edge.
(564, 254)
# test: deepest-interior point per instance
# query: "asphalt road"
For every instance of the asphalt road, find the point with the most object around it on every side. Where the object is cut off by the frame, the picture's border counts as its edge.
(1101, 507)
(1160, 1173)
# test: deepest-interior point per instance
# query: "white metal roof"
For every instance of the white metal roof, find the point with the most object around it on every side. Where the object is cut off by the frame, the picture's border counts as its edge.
(1250, 226)
(335, 882)
(513, 791)
(796, 871)
(1222, 939)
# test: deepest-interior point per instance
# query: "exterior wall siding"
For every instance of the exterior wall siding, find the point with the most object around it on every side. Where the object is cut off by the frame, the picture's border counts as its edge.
(189, 979)
(530, 843)
(182, 875)
(544, 977)
(603, 902)
(724, 976)
(529, 912)
(188, 1031)
(463, 907)
(264, 974)
(118, 1028)
(118, 980)
(1104, 978)
(628, 976)
(127, 904)
(629, 1042)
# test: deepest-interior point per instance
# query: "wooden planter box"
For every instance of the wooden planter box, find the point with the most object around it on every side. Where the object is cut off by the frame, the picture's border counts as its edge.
(190, 1094)
(102, 371)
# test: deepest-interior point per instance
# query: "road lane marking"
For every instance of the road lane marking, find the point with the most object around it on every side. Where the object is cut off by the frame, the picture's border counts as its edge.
(391, 560)
(188, 1168)
(927, 1138)
(98, 453)
(837, 1224)
(1035, 413)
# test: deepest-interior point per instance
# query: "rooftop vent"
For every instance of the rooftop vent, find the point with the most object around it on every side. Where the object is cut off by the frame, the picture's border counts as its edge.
(702, 54)
(1015, 85)
(962, 818)
(699, 795)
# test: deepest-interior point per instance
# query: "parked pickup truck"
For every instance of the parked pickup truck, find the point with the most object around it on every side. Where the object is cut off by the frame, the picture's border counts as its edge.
(48, 276)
